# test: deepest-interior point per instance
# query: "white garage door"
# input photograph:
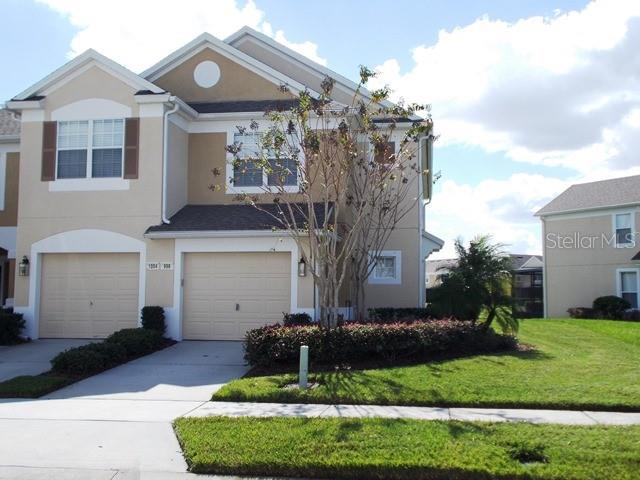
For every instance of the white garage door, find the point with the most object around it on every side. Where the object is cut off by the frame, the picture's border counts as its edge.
(226, 294)
(88, 295)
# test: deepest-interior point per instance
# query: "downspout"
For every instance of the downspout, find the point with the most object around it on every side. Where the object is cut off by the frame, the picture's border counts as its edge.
(165, 156)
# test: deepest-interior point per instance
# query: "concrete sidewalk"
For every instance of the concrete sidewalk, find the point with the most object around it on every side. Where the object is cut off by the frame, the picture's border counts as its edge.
(563, 417)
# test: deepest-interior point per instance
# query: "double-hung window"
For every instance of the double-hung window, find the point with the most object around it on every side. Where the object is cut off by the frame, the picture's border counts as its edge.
(387, 268)
(623, 225)
(628, 286)
(90, 149)
(248, 173)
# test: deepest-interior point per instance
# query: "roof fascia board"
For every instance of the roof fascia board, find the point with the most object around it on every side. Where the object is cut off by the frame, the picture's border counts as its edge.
(207, 40)
(81, 60)
(595, 210)
(24, 104)
(216, 234)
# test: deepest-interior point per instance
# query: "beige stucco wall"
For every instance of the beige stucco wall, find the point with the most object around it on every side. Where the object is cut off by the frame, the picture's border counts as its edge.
(574, 277)
(159, 286)
(207, 153)
(9, 215)
(130, 212)
(236, 82)
(177, 169)
(292, 69)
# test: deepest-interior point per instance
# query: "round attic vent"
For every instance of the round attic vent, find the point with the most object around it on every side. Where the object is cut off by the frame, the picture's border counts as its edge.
(206, 74)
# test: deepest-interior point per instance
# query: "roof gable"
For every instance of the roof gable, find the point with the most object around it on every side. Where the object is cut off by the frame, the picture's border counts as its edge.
(306, 66)
(80, 63)
(616, 192)
(206, 40)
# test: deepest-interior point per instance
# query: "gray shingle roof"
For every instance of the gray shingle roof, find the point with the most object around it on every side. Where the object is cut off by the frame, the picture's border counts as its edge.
(605, 193)
(243, 106)
(200, 218)
(517, 261)
(9, 124)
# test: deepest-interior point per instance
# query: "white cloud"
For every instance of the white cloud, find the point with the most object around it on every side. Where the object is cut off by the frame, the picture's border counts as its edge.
(502, 208)
(555, 91)
(562, 91)
(139, 33)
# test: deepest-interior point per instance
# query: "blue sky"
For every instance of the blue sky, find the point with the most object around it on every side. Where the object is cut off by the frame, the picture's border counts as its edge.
(527, 97)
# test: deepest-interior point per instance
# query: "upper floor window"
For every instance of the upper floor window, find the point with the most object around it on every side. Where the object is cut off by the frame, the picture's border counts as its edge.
(90, 149)
(248, 174)
(623, 224)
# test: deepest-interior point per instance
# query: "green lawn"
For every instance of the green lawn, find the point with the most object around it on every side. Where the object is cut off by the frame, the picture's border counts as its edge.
(407, 449)
(33, 386)
(576, 364)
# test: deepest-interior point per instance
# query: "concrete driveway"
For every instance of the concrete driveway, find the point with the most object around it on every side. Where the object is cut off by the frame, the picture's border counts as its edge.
(32, 358)
(118, 421)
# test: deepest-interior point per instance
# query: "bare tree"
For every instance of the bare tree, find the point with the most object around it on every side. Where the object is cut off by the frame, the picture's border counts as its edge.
(337, 188)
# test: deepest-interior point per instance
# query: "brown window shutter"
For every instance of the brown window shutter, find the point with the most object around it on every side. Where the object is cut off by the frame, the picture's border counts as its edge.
(49, 138)
(131, 147)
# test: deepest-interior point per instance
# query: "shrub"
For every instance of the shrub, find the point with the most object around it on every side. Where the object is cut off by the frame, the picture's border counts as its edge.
(582, 312)
(612, 307)
(633, 315)
(405, 315)
(153, 319)
(296, 319)
(355, 342)
(89, 359)
(11, 325)
(138, 341)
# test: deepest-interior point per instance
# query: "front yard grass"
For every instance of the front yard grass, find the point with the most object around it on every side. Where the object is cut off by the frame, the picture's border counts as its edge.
(34, 386)
(406, 449)
(574, 364)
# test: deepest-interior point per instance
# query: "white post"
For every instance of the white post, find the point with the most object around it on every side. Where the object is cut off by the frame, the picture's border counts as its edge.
(304, 366)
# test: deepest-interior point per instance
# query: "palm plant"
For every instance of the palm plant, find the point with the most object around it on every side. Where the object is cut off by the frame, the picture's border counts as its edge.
(478, 287)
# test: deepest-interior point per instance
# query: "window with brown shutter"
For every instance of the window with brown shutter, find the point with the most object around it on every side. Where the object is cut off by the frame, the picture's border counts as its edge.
(49, 134)
(131, 147)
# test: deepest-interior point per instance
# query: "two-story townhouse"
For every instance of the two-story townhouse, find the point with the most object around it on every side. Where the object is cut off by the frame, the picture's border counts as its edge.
(119, 208)
(9, 170)
(590, 244)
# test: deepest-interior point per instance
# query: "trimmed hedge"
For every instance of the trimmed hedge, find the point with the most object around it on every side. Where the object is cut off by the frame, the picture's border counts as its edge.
(404, 315)
(11, 326)
(152, 318)
(582, 312)
(274, 344)
(138, 341)
(296, 319)
(88, 359)
(612, 307)
(118, 348)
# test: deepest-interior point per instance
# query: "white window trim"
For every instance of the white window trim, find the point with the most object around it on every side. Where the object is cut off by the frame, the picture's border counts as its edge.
(89, 176)
(397, 280)
(231, 189)
(619, 273)
(632, 243)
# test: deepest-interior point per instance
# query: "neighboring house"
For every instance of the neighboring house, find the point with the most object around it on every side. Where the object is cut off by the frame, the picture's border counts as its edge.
(116, 205)
(591, 244)
(526, 286)
(9, 169)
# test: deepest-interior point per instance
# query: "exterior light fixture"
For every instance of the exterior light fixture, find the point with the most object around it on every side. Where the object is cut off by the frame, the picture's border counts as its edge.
(302, 268)
(23, 267)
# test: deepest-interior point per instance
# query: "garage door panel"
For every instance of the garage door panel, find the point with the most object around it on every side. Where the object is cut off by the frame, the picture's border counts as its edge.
(88, 295)
(260, 283)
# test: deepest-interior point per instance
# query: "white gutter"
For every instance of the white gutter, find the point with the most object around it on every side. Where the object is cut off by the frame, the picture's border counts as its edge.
(165, 156)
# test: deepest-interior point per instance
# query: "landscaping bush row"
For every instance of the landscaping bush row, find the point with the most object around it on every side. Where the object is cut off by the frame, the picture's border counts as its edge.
(11, 326)
(119, 347)
(403, 315)
(275, 344)
(608, 307)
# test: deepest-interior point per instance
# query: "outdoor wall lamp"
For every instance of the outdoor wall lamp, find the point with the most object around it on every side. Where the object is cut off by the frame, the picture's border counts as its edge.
(23, 267)
(302, 268)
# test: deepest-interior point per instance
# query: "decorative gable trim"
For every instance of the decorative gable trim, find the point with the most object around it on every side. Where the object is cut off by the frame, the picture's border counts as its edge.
(80, 64)
(207, 40)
